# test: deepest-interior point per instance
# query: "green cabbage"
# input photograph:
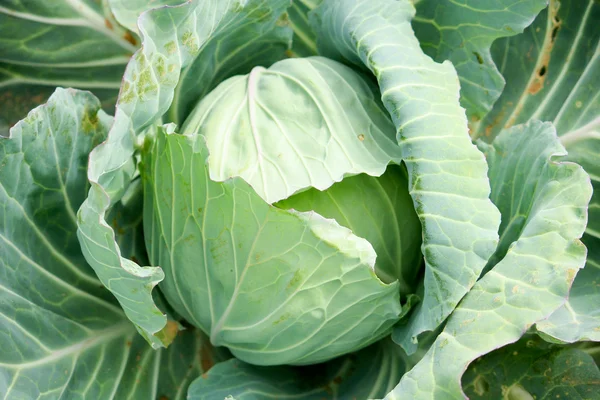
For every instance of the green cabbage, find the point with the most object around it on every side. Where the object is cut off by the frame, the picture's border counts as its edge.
(346, 199)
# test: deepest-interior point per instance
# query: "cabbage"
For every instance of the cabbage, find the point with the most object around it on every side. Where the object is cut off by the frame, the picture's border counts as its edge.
(308, 199)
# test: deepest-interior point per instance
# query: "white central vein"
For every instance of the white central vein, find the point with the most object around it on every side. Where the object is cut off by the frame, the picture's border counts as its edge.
(589, 131)
(90, 19)
(76, 348)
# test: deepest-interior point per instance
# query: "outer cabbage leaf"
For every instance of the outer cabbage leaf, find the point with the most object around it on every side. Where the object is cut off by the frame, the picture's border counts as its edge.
(463, 32)
(305, 41)
(579, 318)
(447, 174)
(544, 209)
(273, 286)
(552, 72)
(379, 210)
(63, 335)
(532, 369)
(301, 123)
(368, 374)
(172, 38)
(127, 12)
(47, 44)
(233, 51)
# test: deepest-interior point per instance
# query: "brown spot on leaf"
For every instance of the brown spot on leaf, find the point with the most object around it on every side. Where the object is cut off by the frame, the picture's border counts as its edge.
(129, 37)
(536, 86)
(497, 119)
(108, 24)
(537, 82)
(167, 334)
(206, 357)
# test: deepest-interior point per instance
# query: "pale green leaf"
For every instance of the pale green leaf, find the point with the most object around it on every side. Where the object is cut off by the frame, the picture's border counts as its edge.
(63, 334)
(60, 43)
(532, 369)
(552, 72)
(463, 32)
(252, 129)
(127, 12)
(173, 37)
(271, 298)
(380, 210)
(447, 174)
(579, 318)
(544, 211)
(368, 374)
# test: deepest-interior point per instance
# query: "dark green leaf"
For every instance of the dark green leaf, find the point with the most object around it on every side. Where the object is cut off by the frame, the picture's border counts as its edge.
(63, 43)
(532, 369)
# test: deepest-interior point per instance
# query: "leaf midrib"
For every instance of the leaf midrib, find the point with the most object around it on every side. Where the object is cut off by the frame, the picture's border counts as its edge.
(90, 19)
(98, 337)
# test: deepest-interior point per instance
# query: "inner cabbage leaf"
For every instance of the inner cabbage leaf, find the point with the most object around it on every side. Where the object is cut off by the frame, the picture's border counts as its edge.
(380, 210)
(305, 122)
(273, 286)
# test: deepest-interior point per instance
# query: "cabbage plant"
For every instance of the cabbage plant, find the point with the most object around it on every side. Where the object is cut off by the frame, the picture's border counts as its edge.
(254, 199)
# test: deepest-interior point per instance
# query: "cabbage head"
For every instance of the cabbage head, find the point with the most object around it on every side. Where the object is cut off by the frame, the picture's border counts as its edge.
(308, 199)
(294, 282)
